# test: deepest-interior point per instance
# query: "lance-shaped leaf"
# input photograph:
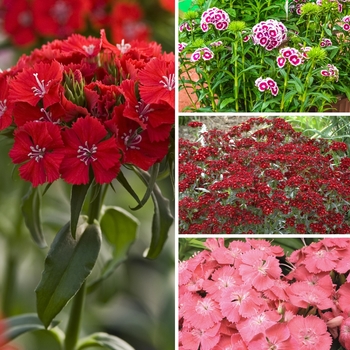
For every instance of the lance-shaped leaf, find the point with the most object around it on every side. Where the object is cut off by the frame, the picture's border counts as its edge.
(76, 203)
(105, 341)
(67, 265)
(31, 213)
(120, 229)
(15, 326)
(151, 181)
(162, 218)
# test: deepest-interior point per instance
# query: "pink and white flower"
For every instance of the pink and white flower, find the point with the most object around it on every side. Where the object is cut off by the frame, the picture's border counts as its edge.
(215, 16)
(269, 34)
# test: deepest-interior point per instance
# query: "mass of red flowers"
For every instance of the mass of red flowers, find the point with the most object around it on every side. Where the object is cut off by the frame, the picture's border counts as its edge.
(28, 21)
(81, 107)
(263, 177)
(248, 296)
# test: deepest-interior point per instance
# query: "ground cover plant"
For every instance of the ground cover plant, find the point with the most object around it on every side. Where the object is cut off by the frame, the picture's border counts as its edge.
(263, 177)
(253, 295)
(85, 112)
(257, 56)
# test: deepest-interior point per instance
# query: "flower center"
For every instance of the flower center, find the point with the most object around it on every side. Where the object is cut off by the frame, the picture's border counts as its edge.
(132, 140)
(123, 47)
(308, 337)
(85, 154)
(142, 110)
(89, 49)
(25, 19)
(41, 89)
(36, 153)
(168, 82)
(61, 12)
(3, 107)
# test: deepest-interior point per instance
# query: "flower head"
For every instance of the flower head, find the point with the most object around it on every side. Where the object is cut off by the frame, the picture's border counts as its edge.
(86, 148)
(38, 147)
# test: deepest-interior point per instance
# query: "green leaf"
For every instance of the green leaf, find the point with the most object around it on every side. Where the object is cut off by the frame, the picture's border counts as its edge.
(150, 185)
(104, 340)
(124, 182)
(18, 325)
(31, 213)
(226, 101)
(162, 218)
(120, 229)
(67, 265)
(78, 196)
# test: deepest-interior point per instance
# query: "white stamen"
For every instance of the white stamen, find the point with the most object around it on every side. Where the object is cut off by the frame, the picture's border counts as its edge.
(3, 107)
(41, 91)
(142, 110)
(168, 82)
(132, 140)
(86, 153)
(89, 49)
(37, 153)
(123, 47)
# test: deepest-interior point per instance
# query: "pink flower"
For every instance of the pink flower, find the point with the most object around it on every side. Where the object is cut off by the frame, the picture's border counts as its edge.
(205, 338)
(276, 337)
(250, 327)
(259, 270)
(303, 295)
(310, 333)
(281, 61)
(344, 336)
(241, 301)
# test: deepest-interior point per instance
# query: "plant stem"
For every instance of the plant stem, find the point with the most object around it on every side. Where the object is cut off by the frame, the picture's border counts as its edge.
(73, 328)
(236, 88)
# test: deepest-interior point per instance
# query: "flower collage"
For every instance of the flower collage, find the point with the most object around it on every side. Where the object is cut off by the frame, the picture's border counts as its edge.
(175, 174)
(263, 175)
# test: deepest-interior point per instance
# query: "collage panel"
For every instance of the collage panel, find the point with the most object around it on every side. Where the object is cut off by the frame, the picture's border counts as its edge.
(264, 56)
(264, 175)
(263, 293)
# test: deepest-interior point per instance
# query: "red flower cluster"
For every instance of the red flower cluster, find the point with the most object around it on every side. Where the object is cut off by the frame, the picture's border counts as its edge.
(238, 297)
(84, 105)
(263, 177)
(24, 20)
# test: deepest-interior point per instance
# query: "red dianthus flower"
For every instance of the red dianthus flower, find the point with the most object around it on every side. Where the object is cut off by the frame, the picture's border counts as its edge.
(86, 145)
(39, 146)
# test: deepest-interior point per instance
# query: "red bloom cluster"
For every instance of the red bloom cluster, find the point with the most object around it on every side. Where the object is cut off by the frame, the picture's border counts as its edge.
(84, 105)
(238, 297)
(23, 20)
(263, 177)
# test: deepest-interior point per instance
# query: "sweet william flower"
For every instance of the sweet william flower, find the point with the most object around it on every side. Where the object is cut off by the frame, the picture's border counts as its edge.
(6, 105)
(39, 146)
(310, 333)
(40, 83)
(86, 146)
(157, 82)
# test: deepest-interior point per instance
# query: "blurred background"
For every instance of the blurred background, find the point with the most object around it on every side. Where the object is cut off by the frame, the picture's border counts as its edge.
(137, 302)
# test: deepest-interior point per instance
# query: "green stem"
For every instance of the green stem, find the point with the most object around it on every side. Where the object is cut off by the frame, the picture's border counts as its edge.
(76, 312)
(73, 327)
(307, 83)
(236, 88)
(285, 87)
(97, 195)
